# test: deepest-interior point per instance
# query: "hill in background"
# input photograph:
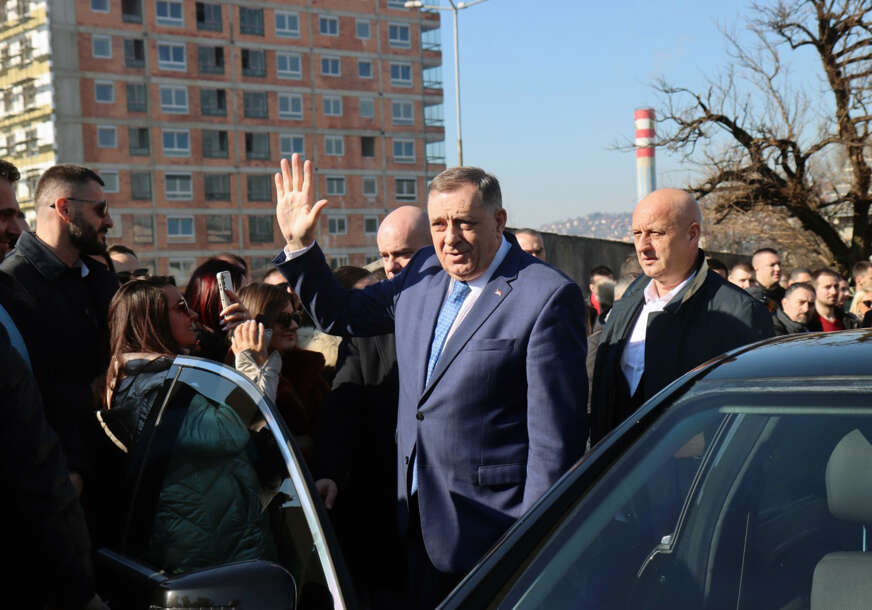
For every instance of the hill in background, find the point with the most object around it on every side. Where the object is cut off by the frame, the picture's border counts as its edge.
(597, 224)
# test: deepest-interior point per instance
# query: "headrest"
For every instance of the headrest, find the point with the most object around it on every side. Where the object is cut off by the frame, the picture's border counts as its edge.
(849, 479)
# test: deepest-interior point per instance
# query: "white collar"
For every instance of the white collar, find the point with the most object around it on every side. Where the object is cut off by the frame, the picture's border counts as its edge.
(481, 281)
(651, 297)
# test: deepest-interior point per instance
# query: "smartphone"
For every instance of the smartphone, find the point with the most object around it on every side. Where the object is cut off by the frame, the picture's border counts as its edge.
(225, 283)
(267, 335)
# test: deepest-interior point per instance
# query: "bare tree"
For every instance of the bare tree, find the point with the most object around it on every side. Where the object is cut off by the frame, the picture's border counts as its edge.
(764, 141)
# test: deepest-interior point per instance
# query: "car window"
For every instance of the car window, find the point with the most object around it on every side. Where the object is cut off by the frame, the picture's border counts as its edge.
(718, 505)
(220, 483)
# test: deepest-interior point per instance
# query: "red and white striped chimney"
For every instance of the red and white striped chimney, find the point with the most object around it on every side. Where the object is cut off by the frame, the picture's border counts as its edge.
(646, 180)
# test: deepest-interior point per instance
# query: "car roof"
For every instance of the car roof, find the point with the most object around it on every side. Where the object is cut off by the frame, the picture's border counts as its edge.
(805, 355)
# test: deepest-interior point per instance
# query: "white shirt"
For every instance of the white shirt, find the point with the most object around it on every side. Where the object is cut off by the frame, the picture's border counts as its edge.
(633, 358)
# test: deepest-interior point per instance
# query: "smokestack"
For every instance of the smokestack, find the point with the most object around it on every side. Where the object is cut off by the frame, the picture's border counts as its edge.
(646, 180)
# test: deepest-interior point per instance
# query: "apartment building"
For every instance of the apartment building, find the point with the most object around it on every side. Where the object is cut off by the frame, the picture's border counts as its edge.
(185, 108)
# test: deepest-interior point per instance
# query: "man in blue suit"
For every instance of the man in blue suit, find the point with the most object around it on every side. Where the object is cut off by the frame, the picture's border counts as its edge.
(491, 351)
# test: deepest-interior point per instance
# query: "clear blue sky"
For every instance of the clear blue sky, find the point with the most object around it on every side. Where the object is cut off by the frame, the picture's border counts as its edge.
(549, 85)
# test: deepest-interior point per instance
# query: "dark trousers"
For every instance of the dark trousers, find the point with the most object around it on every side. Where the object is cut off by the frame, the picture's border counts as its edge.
(428, 586)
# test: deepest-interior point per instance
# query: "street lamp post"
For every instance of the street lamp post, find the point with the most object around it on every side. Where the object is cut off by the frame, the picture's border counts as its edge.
(454, 8)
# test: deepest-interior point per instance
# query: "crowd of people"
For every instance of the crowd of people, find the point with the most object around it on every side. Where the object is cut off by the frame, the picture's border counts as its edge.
(435, 400)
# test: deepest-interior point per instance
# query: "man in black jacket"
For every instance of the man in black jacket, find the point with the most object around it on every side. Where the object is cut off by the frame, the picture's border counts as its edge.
(673, 318)
(63, 301)
(797, 308)
(358, 459)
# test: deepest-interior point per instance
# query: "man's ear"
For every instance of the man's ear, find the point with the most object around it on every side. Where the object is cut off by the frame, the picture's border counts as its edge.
(694, 231)
(501, 218)
(62, 208)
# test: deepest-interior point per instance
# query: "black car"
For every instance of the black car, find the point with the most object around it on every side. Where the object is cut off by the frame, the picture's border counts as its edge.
(747, 483)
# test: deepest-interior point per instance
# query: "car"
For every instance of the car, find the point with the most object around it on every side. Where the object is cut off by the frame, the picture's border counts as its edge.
(746, 483)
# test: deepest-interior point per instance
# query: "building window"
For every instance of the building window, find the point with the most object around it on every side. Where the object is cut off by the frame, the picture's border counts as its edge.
(367, 108)
(399, 35)
(134, 53)
(251, 21)
(181, 269)
(361, 29)
(332, 105)
(404, 151)
(140, 189)
(104, 91)
(139, 141)
(401, 75)
(143, 228)
(210, 60)
(215, 144)
(131, 11)
(137, 99)
(171, 56)
(174, 100)
(335, 185)
(176, 142)
(219, 229)
(253, 63)
(258, 187)
(180, 227)
(213, 102)
(290, 106)
(367, 147)
(178, 186)
(100, 6)
(338, 260)
(337, 225)
(396, 3)
(289, 65)
(255, 105)
(406, 189)
(256, 146)
(209, 17)
(291, 145)
(364, 68)
(328, 26)
(101, 46)
(370, 186)
(330, 66)
(287, 24)
(260, 229)
(107, 136)
(216, 187)
(110, 181)
(169, 12)
(370, 225)
(334, 146)
(402, 113)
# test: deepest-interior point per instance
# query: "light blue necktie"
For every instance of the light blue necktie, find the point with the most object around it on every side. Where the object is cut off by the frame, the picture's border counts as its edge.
(449, 311)
(15, 337)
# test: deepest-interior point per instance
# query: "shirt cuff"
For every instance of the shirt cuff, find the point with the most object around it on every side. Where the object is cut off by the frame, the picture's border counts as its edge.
(292, 254)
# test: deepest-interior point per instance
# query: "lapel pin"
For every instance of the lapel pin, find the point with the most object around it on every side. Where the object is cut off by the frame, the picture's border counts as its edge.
(498, 292)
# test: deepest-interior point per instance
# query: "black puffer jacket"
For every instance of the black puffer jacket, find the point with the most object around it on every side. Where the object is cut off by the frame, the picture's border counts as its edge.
(708, 317)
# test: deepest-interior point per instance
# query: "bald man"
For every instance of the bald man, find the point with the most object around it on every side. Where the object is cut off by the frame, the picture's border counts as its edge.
(674, 317)
(359, 422)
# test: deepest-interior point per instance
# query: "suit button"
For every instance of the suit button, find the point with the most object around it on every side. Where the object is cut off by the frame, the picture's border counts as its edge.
(420, 416)
(406, 460)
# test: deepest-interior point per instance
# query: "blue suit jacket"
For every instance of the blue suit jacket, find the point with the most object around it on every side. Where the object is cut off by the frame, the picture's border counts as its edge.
(504, 414)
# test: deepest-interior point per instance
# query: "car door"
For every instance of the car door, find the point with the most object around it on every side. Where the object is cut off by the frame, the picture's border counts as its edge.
(221, 509)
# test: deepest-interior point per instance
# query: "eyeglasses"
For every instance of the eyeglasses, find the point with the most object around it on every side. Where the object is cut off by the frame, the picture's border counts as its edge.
(101, 206)
(286, 319)
(126, 276)
(182, 306)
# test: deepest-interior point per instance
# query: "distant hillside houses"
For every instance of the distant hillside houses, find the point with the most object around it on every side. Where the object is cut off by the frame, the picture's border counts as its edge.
(598, 224)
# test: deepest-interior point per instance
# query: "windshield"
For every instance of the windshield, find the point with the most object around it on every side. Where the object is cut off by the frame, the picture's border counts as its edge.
(720, 504)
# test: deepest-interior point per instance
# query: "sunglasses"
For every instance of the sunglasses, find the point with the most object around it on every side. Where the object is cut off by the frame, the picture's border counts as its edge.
(126, 276)
(867, 303)
(101, 206)
(286, 320)
(182, 306)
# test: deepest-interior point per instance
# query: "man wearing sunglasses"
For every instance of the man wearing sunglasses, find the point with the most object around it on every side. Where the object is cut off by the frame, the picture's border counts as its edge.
(126, 263)
(66, 298)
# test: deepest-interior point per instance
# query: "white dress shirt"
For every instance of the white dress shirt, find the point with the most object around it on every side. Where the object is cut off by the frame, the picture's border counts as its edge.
(633, 358)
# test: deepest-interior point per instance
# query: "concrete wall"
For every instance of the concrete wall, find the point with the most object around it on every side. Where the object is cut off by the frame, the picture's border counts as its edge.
(576, 256)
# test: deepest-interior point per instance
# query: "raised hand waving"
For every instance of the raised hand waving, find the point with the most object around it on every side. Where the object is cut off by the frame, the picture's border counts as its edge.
(297, 215)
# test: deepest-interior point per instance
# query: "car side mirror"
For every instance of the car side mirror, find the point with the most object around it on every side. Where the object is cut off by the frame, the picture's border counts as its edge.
(247, 584)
